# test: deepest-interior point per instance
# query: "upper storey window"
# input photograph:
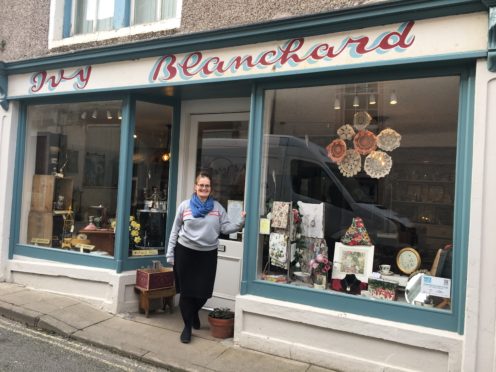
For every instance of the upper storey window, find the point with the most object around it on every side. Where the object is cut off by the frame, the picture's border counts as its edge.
(86, 21)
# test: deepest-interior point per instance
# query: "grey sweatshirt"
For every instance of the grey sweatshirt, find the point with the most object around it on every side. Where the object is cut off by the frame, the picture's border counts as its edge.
(202, 233)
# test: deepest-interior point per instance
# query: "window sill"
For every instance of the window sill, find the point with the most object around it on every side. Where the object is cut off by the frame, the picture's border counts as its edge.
(168, 24)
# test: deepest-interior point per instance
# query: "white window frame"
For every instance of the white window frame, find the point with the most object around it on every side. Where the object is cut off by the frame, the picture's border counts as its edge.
(56, 38)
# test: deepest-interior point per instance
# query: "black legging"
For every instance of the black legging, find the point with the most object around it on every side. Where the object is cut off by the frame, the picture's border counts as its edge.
(189, 308)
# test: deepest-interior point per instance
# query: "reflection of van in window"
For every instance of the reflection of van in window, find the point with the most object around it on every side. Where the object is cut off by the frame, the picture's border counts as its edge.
(299, 170)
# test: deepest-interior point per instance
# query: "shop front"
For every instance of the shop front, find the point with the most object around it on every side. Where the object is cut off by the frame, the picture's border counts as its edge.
(351, 151)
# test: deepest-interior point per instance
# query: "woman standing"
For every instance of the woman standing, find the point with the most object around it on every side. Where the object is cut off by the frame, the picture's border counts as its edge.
(192, 249)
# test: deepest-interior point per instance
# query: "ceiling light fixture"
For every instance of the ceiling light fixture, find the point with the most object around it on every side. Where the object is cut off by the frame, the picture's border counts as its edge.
(337, 103)
(356, 101)
(393, 99)
(109, 115)
(83, 115)
(119, 115)
(93, 115)
(372, 100)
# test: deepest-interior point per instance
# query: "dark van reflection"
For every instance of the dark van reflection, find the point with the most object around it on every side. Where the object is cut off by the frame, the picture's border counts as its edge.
(296, 169)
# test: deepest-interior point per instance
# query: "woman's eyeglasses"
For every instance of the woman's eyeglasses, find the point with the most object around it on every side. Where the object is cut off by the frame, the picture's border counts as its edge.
(203, 186)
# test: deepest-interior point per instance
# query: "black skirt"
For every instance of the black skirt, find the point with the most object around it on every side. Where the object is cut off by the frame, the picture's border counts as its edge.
(194, 271)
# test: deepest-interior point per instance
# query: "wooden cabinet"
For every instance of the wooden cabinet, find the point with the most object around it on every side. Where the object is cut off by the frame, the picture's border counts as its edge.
(422, 188)
(50, 218)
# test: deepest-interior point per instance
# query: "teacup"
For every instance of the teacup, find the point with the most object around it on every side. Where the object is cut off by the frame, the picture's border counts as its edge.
(385, 269)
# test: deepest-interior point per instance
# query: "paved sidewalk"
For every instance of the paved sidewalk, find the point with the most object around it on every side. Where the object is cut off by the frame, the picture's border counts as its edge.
(154, 340)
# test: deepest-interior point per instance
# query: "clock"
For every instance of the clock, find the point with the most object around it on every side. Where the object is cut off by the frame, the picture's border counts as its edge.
(408, 260)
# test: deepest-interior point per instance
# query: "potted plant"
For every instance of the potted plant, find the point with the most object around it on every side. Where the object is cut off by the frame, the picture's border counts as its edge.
(221, 322)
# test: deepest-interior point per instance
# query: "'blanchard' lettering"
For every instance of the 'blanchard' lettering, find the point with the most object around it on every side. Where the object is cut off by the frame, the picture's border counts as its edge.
(292, 53)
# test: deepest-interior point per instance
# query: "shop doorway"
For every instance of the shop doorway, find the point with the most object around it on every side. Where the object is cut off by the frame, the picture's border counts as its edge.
(217, 144)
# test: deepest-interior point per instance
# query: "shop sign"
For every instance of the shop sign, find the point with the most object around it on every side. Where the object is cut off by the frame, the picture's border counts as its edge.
(399, 43)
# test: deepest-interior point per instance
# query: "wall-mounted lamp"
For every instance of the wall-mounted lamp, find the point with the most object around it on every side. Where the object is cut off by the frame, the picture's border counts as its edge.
(135, 136)
(83, 115)
(119, 115)
(337, 103)
(393, 100)
(93, 115)
(166, 156)
(109, 115)
(372, 100)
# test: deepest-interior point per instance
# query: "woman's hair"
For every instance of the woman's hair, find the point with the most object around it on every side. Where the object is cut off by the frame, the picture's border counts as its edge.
(203, 174)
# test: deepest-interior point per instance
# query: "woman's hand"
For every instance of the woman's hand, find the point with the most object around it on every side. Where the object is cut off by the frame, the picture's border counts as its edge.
(243, 214)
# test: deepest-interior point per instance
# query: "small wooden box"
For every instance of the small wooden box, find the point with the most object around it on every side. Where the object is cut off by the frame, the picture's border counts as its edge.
(40, 226)
(46, 189)
(154, 279)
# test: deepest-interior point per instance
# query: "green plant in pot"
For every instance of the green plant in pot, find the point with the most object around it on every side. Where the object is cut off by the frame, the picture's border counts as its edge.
(221, 320)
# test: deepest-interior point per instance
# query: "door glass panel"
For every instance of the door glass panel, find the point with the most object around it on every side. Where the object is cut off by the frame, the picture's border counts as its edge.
(150, 181)
(222, 153)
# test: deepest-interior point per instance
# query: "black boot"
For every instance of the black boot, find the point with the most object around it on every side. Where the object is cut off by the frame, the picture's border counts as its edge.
(186, 334)
(196, 321)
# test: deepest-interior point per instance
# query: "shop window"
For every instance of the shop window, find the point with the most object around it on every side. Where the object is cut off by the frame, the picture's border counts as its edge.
(150, 182)
(71, 165)
(357, 192)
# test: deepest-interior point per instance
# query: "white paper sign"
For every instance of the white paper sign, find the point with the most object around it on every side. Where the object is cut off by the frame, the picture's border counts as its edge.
(234, 209)
(435, 286)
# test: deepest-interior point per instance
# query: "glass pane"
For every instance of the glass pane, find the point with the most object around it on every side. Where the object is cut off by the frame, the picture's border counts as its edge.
(222, 153)
(70, 176)
(354, 174)
(150, 181)
(168, 9)
(105, 15)
(145, 11)
(93, 15)
(85, 16)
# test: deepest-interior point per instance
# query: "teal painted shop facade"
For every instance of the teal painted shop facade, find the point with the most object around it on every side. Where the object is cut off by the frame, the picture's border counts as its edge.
(280, 90)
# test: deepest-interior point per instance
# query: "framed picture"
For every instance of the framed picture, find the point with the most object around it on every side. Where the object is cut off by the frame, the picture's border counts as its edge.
(356, 259)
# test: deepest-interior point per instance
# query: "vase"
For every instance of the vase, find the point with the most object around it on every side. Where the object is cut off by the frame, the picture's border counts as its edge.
(320, 281)
(221, 328)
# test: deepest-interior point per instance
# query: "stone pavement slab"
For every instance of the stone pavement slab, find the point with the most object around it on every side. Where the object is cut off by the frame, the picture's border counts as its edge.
(154, 339)
(50, 324)
(20, 314)
(237, 359)
(80, 315)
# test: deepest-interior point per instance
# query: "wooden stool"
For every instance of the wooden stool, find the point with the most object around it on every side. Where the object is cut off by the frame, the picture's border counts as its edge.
(165, 295)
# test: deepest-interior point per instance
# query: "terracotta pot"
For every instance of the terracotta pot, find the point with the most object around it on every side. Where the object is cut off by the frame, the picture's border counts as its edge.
(221, 328)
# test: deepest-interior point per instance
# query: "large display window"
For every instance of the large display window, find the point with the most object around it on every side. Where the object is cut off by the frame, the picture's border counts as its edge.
(358, 187)
(71, 172)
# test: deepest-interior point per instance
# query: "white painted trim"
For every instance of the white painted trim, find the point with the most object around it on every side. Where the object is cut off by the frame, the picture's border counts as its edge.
(480, 311)
(8, 140)
(358, 334)
(103, 288)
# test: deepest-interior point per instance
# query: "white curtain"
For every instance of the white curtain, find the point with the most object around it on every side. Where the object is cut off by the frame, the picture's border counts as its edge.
(94, 15)
(145, 11)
